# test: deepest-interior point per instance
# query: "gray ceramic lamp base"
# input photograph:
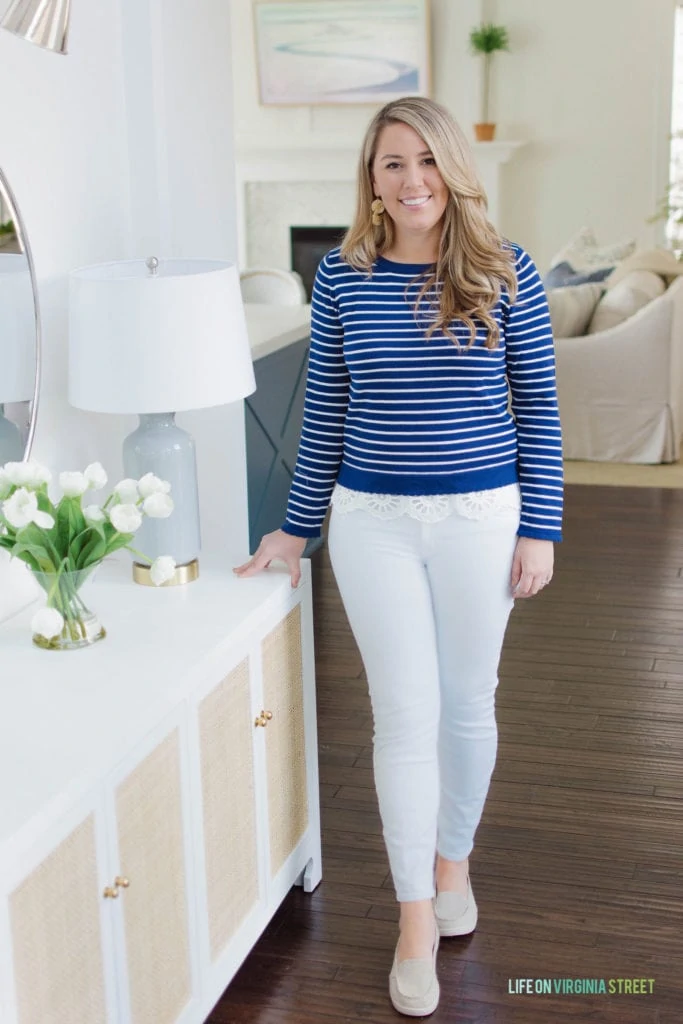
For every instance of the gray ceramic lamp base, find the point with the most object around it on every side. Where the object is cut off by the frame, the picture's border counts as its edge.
(183, 574)
(160, 446)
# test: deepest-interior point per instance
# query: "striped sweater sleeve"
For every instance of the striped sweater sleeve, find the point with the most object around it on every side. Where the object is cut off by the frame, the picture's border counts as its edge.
(530, 359)
(325, 404)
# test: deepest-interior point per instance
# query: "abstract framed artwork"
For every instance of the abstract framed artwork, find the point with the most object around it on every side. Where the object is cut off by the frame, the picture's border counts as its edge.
(313, 52)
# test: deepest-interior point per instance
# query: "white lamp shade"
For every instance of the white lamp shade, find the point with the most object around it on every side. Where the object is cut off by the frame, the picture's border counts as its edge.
(144, 343)
(17, 330)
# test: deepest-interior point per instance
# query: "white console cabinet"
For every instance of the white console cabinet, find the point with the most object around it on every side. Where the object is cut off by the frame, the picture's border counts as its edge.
(158, 797)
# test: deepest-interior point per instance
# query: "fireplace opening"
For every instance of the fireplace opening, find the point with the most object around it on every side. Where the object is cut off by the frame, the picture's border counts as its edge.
(308, 246)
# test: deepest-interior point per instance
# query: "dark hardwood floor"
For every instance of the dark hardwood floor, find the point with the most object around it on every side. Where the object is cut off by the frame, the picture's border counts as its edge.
(578, 862)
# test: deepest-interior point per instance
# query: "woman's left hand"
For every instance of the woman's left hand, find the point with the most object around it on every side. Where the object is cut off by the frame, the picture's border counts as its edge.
(532, 566)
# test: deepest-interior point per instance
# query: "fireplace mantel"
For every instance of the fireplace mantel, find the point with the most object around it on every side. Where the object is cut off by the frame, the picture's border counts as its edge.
(337, 163)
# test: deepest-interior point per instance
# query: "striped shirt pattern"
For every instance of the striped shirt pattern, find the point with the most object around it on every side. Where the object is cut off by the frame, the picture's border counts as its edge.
(390, 412)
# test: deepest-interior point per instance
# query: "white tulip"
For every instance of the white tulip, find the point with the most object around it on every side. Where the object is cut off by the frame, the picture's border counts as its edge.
(127, 491)
(162, 569)
(44, 520)
(125, 518)
(93, 514)
(15, 472)
(41, 474)
(18, 510)
(73, 484)
(47, 622)
(6, 484)
(95, 475)
(151, 484)
(158, 505)
(22, 509)
(27, 474)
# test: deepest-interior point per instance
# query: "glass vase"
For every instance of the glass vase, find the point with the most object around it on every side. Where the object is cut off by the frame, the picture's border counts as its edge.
(81, 626)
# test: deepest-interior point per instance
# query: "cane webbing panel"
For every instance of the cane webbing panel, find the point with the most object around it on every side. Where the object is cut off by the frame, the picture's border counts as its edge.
(227, 765)
(150, 830)
(283, 694)
(55, 921)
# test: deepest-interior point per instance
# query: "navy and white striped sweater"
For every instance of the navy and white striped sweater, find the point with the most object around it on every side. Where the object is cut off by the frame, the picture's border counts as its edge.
(388, 411)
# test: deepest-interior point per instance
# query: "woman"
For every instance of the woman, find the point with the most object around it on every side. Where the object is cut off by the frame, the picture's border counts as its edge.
(446, 498)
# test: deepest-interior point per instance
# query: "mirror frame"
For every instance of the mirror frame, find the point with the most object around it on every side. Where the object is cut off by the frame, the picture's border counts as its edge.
(23, 240)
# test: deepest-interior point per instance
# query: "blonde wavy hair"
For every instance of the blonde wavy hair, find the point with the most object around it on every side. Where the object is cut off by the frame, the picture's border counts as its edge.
(473, 263)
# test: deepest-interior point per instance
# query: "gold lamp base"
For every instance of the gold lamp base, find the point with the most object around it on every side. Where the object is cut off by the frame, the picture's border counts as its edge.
(183, 574)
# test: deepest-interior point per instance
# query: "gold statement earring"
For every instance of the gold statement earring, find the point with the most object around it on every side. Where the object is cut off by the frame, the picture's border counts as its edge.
(377, 211)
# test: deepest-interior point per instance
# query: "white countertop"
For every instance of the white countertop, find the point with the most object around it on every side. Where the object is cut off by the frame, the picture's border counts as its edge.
(67, 716)
(273, 327)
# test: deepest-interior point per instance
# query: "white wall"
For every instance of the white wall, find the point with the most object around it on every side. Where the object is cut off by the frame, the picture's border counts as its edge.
(182, 169)
(63, 147)
(587, 85)
(123, 146)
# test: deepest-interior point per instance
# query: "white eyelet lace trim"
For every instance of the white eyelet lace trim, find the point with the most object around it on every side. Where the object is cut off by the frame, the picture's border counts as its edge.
(430, 508)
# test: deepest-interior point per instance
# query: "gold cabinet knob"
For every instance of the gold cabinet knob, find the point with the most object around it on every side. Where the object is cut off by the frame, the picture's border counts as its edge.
(263, 718)
(267, 714)
(110, 893)
(121, 883)
(260, 720)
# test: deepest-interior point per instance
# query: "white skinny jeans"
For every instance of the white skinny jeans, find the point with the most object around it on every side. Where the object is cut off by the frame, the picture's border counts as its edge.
(428, 604)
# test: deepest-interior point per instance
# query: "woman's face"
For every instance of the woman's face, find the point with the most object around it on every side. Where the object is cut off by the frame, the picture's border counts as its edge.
(405, 176)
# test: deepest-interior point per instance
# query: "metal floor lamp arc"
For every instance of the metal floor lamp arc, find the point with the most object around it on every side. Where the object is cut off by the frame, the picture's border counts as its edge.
(43, 22)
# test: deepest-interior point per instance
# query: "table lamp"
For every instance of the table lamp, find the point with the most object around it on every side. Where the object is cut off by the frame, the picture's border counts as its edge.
(17, 349)
(156, 338)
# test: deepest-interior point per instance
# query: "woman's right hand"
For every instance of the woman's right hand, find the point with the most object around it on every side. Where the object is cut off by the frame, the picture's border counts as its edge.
(276, 545)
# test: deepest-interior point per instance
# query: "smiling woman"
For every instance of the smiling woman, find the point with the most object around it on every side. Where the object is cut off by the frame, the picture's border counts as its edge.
(445, 500)
(405, 177)
(456, 237)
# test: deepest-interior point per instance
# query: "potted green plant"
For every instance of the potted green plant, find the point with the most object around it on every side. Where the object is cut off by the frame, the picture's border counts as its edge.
(486, 40)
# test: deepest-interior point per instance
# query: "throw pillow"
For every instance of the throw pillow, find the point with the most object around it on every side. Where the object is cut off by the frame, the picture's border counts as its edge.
(563, 275)
(571, 308)
(582, 252)
(659, 261)
(628, 296)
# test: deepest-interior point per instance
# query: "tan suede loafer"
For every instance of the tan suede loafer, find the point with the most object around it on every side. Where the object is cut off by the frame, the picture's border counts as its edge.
(456, 914)
(413, 985)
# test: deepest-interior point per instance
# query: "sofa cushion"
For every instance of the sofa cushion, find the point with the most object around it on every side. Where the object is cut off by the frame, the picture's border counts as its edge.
(563, 275)
(659, 261)
(571, 308)
(629, 295)
(582, 252)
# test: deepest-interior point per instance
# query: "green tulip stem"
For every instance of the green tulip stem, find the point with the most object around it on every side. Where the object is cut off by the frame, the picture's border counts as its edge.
(64, 597)
(139, 554)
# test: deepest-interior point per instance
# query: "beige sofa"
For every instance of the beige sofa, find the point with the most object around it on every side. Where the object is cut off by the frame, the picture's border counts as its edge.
(621, 390)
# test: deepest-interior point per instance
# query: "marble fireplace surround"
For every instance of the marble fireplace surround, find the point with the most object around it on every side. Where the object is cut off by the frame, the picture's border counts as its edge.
(277, 189)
